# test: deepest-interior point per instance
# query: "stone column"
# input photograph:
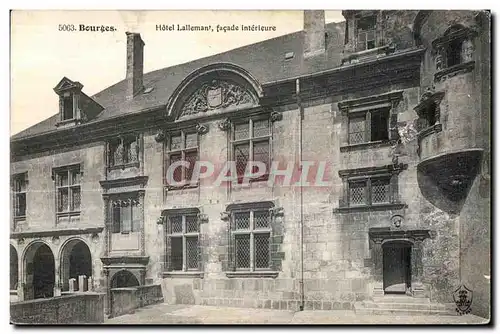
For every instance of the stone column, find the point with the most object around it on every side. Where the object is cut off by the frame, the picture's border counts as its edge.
(143, 232)
(57, 277)
(378, 258)
(417, 269)
(107, 224)
(107, 286)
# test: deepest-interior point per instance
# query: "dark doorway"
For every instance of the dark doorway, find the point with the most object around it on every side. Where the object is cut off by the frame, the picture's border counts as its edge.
(76, 260)
(397, 267)
(43, 273)
(13, 268)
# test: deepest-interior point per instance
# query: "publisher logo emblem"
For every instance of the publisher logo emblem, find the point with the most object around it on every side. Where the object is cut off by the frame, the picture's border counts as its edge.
(463, 299)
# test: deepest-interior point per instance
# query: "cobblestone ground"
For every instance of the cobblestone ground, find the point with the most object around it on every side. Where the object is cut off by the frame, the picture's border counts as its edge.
(196, 314)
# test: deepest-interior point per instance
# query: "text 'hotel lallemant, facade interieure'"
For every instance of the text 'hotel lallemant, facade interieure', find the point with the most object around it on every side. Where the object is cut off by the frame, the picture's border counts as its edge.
(397, 105)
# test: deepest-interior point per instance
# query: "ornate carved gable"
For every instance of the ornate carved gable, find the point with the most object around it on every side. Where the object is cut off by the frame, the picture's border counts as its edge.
(67, 84)
(217, 94)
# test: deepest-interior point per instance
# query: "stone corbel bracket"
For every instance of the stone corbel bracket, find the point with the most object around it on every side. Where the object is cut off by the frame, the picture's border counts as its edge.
(224, 216)
(224, 125)
(202, 129)
(277, 211)
(160, 136)
(276, 116)
(202, 218)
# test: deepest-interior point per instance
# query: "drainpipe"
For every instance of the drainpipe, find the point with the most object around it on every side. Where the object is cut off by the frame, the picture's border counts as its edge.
(301, 282)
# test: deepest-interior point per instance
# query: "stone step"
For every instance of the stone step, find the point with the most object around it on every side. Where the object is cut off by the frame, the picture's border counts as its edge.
(393, 311)
(401, 299)
(406, 306)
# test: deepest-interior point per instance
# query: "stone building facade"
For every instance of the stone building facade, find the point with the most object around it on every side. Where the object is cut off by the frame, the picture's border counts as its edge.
(395, 103)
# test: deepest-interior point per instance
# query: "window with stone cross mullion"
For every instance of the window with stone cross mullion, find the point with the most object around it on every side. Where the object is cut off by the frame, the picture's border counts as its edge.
(249, 142)
(68, 186)
(181, 152)
(251, 233)
(184, 236)
(20, 195)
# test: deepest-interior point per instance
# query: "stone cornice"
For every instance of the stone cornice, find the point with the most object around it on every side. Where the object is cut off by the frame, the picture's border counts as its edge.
(131, 181)
(379, 235)
(127, 259)
(368, 101)
(367, 171)
(59, 232)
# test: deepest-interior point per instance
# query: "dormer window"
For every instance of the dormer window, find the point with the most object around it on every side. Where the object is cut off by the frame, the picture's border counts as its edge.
(67, 107)
(366, 28)
(74, 106)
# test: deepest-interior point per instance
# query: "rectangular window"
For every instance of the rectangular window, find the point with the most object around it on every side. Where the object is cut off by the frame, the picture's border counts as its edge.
(181, 146)
(183, 232)
(369, 126)
(68, 189)
(251, 142)
(251, 233)
(126, 215)
(367, 32)
(68, 107)
(371, 190)
(123, 151)
(20, 183)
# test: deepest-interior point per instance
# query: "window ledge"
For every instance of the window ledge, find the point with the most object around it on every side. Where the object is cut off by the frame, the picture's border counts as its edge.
(187, 186)
(454, 70)
(123, 166)
(252, 274)
(68, 213)
(373, 207)
(16, 218)
(370, 144)
(183, 274)
(436, 128)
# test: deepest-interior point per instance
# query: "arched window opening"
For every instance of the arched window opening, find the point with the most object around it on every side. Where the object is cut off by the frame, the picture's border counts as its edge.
(76, 260)
(124, 279)
(13, 268)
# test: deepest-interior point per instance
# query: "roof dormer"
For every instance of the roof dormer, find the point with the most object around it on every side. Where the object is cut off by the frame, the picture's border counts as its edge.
(364, 35)
(75, 107)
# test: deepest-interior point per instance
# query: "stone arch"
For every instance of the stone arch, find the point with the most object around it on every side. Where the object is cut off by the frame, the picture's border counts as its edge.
(124, 279)
(75, 260)
(419, 21)
(14, 268)
(214, 76)
(39, 270)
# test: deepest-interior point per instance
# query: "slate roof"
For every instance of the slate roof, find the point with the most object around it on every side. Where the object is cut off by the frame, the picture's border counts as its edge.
(264, 60)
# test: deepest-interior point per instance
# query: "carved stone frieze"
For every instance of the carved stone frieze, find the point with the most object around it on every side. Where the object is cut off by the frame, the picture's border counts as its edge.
(215, 95)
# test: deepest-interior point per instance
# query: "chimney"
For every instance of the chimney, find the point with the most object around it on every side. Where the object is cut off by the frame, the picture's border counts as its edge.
(135, 64)
(314, 29)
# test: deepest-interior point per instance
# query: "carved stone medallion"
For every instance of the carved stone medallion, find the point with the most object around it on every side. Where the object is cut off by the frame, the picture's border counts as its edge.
(214, 95)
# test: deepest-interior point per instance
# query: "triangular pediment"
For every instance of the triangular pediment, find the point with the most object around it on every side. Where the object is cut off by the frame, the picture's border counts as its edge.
(67, 84)
(217, 94)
